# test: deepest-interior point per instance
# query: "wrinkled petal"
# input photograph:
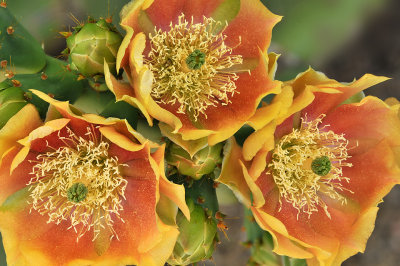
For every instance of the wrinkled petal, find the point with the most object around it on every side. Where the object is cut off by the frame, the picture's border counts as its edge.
(18, 127)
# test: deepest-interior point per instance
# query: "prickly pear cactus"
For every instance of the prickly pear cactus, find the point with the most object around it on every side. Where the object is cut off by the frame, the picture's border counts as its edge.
(56, 79)
(19, 51)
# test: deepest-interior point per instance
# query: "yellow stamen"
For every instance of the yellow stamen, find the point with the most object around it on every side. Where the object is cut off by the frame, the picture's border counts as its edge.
(302, 171)
(82, 168)
(195, 83)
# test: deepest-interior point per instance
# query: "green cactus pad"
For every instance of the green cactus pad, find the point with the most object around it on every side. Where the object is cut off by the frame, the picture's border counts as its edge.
(12, 99)
(55, 80)
(22, 52)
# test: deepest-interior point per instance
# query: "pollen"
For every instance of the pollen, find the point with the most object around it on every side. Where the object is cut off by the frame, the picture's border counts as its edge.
(79, 183)
(192, 66)
(307, 165)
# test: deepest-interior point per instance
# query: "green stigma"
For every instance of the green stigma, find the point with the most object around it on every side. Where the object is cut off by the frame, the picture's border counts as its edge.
(321, 165)
(77, 192)
(196, 59)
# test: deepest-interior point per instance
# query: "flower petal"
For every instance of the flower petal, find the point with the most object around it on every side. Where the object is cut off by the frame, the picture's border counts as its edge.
(225, 120)
(372, 175)
(191, 146)
(9, 184)
(329, 93)
(232, 174)
(365, 124)
(162, 13)
(254, 24)
(124, 92)
(176, 193)
(18, 127)
(262, 139)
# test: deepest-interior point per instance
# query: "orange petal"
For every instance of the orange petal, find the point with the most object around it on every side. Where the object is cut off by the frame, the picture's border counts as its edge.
(232, 174)
(18, 127)
(119, 139)
(133, 20)
(257, 199)
(262, 139)
(162, 13)
(40, 241)
(176, 193)
(226, 120)
(365, 124)
(277, 109)
(9, 184)
(254, 24)
(191, 146)
(372, 175)
(124, 92)
(329, 93)
(362, 230)
(282, 245)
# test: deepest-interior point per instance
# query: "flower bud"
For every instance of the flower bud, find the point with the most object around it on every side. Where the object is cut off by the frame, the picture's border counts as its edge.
(202, 163)
(90, 44)
(261, 252)
(197, 238)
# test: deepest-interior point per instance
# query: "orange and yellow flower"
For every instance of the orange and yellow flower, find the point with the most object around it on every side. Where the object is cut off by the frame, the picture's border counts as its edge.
(199, 67)
(315, 169)
(85, 190)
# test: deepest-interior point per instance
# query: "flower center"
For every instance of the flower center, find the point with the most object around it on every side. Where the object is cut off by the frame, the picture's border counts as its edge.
(191, 66)
(196, 59)
(77, 192)
(79, 182)
(321, 165)
(307, 164)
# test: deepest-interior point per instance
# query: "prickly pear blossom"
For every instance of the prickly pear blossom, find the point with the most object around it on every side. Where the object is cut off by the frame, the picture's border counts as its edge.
(199, 67)
(314, 175)
(89, 188)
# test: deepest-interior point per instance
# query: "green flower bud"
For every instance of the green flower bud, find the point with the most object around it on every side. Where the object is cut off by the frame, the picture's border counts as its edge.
(197, 238)
(12, 100)
(261, 252)
(202, 163)
(90, 44)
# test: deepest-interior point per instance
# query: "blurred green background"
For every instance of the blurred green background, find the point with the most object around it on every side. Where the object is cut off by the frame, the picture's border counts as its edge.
(343, 38)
